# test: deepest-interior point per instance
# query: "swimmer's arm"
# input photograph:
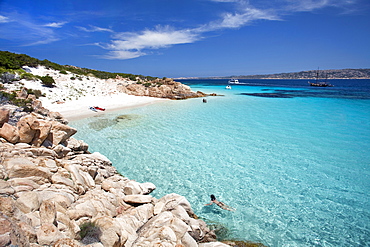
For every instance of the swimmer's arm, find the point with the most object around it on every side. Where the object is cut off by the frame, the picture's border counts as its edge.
(208, 204)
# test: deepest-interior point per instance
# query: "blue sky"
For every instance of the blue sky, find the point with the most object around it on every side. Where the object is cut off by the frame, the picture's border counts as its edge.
(187, 38)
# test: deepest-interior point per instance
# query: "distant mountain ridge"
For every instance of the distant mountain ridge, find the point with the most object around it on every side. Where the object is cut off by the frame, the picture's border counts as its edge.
(311, 74)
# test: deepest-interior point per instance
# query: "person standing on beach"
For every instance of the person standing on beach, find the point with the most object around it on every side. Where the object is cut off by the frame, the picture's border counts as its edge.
(220, 204)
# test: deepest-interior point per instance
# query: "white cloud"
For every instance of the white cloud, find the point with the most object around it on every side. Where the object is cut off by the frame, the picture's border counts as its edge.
(24, 29)
(241, 19)
(95, 29)
(130, 45)
(310, 5)
(123, 54)
(55, 24)
(4, 19)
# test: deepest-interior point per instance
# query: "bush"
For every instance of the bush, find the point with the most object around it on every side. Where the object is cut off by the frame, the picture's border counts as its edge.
(47, 81)
(90, 232)
(35, 92)
(12, 98)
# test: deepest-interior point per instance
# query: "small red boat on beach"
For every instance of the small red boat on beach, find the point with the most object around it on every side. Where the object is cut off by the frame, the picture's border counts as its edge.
(99, 108)
(96, 108)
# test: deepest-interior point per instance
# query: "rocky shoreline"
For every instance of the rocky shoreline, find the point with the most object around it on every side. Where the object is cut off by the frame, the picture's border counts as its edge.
(54, 192)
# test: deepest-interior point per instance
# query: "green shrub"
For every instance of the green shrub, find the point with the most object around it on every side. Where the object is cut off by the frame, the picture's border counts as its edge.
(90, 229)
(35, 92)
(47, 81)
(63, 72)
(28, 76)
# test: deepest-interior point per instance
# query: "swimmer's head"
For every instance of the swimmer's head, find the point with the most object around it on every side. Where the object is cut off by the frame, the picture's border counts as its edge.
(213, 197)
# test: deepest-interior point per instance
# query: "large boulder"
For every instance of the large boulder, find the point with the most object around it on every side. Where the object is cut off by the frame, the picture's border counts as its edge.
(42, 133)
(138, 199)
(22, 167)
(59, 132)
(4, 116)
(9, 133)
(48, 234)
(165, 228)
(77, 145)
(28, 201)
(48, 212)
(27, 127)
(111, 235)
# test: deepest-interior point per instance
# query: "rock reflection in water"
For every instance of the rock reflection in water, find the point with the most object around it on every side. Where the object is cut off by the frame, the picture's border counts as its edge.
(101, 123)
(127, 120)
(121, 121)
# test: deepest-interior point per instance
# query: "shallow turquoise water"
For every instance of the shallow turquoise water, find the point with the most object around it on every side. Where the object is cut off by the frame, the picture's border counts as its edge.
(296, 169)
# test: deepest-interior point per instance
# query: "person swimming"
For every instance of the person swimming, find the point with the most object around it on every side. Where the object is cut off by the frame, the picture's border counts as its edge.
(220, 204)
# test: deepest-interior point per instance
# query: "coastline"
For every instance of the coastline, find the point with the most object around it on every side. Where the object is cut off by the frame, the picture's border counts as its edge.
(79, 109)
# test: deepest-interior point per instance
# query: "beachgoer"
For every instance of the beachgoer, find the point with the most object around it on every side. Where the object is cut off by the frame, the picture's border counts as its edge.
(220, 204)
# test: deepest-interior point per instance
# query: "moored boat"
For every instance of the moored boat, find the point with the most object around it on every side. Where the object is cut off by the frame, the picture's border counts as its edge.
(233, 81)
(320, 83)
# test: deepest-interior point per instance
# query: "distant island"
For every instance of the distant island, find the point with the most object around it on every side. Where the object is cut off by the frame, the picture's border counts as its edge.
(309, 75)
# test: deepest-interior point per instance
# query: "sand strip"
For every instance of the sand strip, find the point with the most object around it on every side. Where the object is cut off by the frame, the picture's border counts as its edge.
(79, 109)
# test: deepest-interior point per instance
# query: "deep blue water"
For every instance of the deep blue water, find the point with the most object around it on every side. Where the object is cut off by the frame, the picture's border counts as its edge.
(293, 160)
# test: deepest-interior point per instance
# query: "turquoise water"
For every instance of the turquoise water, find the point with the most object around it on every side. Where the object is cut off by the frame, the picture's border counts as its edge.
(294, 163)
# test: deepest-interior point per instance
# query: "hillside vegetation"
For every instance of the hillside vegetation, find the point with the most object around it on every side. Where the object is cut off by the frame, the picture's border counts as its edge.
(10, 62)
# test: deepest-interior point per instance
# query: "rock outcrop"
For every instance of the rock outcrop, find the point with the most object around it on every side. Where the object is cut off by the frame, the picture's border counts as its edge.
(54, 192)
(161, 88)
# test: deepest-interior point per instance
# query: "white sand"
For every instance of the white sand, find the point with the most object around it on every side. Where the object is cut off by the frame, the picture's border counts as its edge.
(78, 109)
(72, 98)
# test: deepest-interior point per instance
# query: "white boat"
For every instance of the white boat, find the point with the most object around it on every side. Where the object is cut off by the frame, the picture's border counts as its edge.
(233, 81)
(228, 87)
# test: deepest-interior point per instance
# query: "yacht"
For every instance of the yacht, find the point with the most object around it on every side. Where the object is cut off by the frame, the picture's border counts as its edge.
(233, 81)
(319, 83)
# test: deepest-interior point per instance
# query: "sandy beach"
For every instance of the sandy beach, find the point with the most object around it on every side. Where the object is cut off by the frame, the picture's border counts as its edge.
(73, 95)
(78, 109)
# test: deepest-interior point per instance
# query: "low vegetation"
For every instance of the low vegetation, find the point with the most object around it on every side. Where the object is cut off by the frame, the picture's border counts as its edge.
(12, 98)
(47, 81)
(89, 230)
(10, 62)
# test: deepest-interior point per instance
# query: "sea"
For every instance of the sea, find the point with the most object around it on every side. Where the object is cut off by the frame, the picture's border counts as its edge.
(292, 160)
